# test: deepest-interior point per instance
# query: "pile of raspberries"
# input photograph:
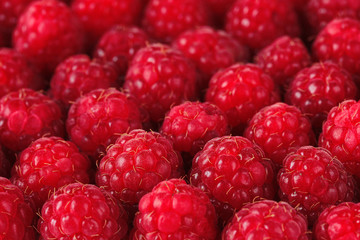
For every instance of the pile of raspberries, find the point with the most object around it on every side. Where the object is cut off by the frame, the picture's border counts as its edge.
(179, 119)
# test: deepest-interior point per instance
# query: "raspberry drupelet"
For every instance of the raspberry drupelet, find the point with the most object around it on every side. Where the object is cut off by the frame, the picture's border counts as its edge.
(16, 216)
(233, 171)
(279, 129)
(240, 91)
(267, 219)
(48, 164)
(79, 211)
(47, 33)
(119, 45)
(175, 210)
(317, 89)
(78, 75)
(312, 179)
(160, 77)
(26, 115)
(97, 119)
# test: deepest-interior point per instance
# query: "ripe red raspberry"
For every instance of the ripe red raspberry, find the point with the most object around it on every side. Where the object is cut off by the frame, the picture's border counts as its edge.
(283, 58)
(16, 73)
(98, 16)
(311, 179)
(266, 219)
(175, 210)
(339, 222)
(339, 41)
(26, 115)
(78, 75)
(258, 23)
(48, 164)
(136, 163)
(210, 50)
(317, 89)
(119, 45)
(279, 129)
(318, 13)
(47, 33)
(16, 216)
(160, 77)
(240, 91)
(164, 20)
(340, 134)
(191, 124)
(233, 171)
(96, 119)
(79, 211)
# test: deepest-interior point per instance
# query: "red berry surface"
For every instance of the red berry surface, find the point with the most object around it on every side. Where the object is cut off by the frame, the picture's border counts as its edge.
(175, 210)
(47, 33)
(210, 50)
(232, 171)
(258, 23)
(79, 211)
(338, 222)
(266, 219)
(48, 164)
(78, 75)
(283, 58)
(240, 91)
(17, 73)
(279, 129)
(119, 45)
(16, 216)
(26, 115)
(339, 41)
(160, 77)
(98, 16)
(340, 134)
(136, 163)
(312, 179)
(164, 20)
(96, 119)
(191, 124)
(317, 89)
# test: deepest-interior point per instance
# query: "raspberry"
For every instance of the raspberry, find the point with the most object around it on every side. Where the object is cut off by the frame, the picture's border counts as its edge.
(119, 45)
(98, 16)
(96, 119)
(340, 134)
(339, 222)
(175, 210)
(283, 58)
(160, 77)
(164, 20)
(312, 179)
(339, 41)
(191, 124)
(266, 219)
(80, 211)
(47, 33)
(78, 75)
(16, 73)
(136, 163)
(48, 164)
(26, 115)
(258, 23)
(320, 12)
(233, 171)
(16, 217)
(315, 90)
(240, 91)
(210, 50)
(279, 129)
